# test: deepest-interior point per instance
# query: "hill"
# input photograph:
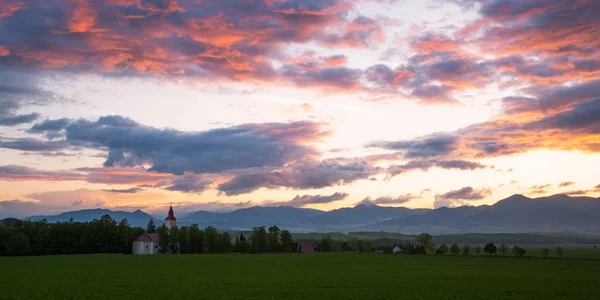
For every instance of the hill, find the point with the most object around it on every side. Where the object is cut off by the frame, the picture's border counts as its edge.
(136, 218)
(557, 213)
(242, 219)
(358, 216)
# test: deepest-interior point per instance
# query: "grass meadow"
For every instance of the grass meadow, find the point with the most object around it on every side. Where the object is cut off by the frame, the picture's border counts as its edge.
(299, 276)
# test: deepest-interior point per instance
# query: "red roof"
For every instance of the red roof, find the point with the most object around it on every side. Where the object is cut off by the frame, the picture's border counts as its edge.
(171, 215)
(306, 247)
(148, 237)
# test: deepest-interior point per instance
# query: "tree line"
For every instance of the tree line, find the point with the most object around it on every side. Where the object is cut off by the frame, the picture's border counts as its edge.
(425, 240)
(106, 235)
(103, 235)
(193, 240)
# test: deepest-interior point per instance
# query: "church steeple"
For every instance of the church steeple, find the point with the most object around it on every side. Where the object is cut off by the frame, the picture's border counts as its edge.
(170, 220)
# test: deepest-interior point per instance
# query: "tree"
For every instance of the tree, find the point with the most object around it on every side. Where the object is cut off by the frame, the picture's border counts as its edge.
(352, 241)
(545, 252)
(124, 232)
(454, 249)
(369, 247)
(163, 239)
(151, 227)
(503, 249)
(173, 240)
(196, 239)
(273, 239)
(325, 244)
(490, 249)
(522, 252)
(559, 252)
(18, 244)
(258, 239)
(477, 249)
(211, 238)
(183, 238)
(515, 250)
(466, 250)
(240, 244)
(287, 243)
(5, 233)
(360, 246)
(425, 240)
(225, 243)
(443, 249)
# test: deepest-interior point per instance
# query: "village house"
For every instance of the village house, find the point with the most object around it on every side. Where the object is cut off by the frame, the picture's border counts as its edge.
(147, 244)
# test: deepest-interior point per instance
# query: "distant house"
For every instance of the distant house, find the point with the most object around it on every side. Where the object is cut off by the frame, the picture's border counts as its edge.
(396, 249)
(147, 244)
(305, 247)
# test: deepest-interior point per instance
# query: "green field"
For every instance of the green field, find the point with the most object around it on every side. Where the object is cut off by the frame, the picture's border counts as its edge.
(297, 276)
(583, 253)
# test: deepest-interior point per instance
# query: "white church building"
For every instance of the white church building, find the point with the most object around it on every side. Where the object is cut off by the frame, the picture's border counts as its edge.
(147, 244)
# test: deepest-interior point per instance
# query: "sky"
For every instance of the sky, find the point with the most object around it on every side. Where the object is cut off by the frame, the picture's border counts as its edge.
(219, 105)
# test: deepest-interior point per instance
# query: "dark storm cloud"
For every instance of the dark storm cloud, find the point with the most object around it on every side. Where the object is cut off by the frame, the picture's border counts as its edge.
(16, 119)
(465, 193)
(171, 151)
(583, 118)
(460, 196)
(459, 164)
(29, 144)
(50, 127)
(335, 77)
(237, 40)
(428, 146)
(304, 200)
(305, 174)
(551, 98)
(358, 33)
(549, 27)
(189, 184)
(22, 173)
(387, 200)
(50, 154)
(19, 90)
(125, 191)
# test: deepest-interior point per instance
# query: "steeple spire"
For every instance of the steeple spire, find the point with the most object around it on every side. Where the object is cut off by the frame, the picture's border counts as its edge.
(170, 220)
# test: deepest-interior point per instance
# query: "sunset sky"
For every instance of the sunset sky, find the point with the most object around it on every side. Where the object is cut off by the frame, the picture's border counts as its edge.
(219, 105)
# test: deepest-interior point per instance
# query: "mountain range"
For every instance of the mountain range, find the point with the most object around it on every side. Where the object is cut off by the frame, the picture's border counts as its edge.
(557, 213)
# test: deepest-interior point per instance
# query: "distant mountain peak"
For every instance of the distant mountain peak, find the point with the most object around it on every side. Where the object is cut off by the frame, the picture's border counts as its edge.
(518, 196)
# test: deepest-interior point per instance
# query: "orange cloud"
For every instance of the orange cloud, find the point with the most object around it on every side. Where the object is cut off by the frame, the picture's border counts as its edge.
(9, 7)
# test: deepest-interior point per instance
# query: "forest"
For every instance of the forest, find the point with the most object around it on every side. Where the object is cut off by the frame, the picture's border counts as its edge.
(106, 235)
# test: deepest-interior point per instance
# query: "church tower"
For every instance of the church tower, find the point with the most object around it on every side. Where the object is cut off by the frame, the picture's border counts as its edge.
(170, 220)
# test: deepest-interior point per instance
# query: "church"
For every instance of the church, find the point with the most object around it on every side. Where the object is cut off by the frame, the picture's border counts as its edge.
(147, 244)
